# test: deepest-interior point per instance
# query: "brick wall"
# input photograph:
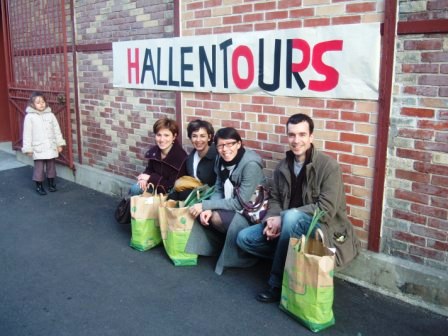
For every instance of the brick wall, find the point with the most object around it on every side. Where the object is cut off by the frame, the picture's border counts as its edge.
(415, 223)
(423, 10)
(345, 129)
(116, 124)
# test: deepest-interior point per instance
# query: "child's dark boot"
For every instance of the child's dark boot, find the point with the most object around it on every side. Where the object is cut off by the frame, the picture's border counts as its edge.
(51, 185)
(40, 188)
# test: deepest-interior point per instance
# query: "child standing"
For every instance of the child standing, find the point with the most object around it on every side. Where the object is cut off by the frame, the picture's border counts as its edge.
(42, 139)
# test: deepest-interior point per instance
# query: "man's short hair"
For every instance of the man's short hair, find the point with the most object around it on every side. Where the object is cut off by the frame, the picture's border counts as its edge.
(300, 117)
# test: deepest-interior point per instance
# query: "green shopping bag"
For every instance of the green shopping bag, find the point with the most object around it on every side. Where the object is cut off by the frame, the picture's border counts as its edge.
(199, 194)
(145, 221)
(307, 287)
(176, 224)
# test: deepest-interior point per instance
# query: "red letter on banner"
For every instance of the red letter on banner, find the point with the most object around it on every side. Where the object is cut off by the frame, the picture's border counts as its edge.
(304, 47)
(243, 83)
(330, 73)
(133, 65)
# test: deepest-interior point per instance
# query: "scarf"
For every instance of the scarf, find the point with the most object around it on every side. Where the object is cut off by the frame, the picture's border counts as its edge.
(225, 167)
(298, 181)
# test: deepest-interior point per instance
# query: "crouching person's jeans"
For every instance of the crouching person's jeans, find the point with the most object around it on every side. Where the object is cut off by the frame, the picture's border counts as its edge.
(294, 224)
(135, 190)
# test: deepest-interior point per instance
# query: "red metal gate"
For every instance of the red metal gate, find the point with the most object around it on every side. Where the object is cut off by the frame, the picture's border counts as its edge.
(36, 60)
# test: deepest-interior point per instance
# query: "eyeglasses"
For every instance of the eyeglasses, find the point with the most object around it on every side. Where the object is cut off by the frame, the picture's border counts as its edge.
(226, 145)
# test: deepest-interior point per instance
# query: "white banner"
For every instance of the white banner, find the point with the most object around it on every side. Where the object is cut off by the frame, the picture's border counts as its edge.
(332, 61)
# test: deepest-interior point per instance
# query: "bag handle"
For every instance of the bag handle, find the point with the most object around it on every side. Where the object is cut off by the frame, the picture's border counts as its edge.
(316, 216)
(146, 193)
(303, 240)
(161, 187)
(320, 233)
(190, 200)
(257, 204)
(208, 192)
(199, 194)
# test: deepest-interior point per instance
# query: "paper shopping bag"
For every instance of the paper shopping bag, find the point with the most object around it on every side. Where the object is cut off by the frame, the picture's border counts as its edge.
(307, 287)
(175, 225)
(145, 221)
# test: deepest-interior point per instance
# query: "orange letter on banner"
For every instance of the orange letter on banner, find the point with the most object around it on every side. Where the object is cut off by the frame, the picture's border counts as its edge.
(133, 65)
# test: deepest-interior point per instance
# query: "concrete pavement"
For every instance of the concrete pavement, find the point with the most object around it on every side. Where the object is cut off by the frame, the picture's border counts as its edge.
(67, 269)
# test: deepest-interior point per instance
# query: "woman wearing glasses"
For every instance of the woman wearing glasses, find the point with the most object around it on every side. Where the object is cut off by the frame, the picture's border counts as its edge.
(220, 216)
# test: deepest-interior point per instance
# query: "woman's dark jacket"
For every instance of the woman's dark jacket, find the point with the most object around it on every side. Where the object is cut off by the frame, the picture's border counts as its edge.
(165, 172)
(205, 171)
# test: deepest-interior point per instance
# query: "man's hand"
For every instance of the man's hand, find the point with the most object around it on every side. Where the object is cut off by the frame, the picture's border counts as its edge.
(273, 227)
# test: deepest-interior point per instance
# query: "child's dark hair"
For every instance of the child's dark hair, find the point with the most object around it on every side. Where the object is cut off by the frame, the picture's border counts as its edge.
(196, 125)
(33, 97)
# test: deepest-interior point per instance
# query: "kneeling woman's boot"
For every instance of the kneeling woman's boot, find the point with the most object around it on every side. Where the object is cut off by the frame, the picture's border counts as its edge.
(40, 188)
(52, 185)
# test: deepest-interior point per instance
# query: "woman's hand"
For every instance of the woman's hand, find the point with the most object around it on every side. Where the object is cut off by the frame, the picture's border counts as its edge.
(205, 217)
(196, 209)
(143, 181)
(273, 227)
(60, 149)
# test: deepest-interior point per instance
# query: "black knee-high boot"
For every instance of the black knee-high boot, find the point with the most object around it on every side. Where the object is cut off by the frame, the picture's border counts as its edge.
(40, 188)
(51, 185)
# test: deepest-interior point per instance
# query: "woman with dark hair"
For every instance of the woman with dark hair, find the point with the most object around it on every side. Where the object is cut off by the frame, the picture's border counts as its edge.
(201, 160)
(166, 160)
(220, 216)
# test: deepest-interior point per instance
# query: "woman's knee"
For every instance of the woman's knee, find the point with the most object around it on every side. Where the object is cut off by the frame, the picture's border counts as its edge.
(135, 190)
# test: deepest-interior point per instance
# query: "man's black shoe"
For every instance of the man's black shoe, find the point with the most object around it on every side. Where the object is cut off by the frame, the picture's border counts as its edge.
(270, 295)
